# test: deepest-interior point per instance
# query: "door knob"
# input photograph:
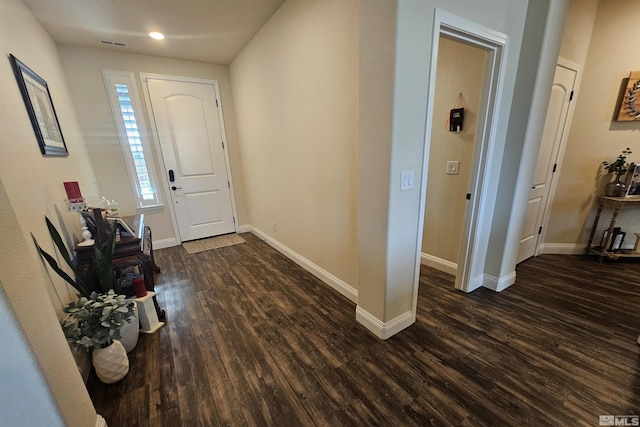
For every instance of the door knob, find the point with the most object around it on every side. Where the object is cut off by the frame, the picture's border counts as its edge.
(174, 188)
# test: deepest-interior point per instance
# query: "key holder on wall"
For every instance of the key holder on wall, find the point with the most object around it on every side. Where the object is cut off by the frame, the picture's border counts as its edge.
(456, 115)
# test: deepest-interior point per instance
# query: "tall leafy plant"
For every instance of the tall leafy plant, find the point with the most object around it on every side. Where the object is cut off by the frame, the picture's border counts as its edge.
(102, 263)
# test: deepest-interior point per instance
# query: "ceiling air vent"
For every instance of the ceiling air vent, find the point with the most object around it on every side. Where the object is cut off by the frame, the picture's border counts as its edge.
(113, 43)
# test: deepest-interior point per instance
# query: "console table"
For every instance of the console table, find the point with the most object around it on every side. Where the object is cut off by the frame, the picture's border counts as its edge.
(616, 204)
(133, 248)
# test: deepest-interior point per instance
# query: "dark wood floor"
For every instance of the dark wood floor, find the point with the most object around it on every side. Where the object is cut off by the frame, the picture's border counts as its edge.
(252, 339)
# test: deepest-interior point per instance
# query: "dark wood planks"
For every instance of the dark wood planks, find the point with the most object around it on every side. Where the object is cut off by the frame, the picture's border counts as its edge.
(252, 339)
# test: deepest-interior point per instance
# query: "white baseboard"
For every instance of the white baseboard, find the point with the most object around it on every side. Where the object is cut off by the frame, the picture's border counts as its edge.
(246, 228)
(100, 422)
(165, 243)
(384, 330)
(488, 281)
(439, 263)
(475, 283)
(322, 274)
(499, 284)
(562, 249)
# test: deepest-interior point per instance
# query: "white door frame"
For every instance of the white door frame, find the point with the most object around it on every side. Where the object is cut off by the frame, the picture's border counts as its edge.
(562, 62)
(158, 147)
(470, 270)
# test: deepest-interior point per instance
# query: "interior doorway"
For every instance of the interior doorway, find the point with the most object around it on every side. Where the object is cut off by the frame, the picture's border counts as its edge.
(459, 79)
(474, 231)
(554, 136)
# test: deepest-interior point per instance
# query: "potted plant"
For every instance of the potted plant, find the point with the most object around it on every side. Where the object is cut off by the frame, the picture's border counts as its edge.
(95, 323)
(103, 267)
(619, 167)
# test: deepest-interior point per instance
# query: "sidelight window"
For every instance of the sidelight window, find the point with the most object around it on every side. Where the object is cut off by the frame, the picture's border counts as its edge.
(127, 114)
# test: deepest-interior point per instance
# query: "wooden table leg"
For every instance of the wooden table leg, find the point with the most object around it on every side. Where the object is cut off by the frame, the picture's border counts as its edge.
(595, 226)
(148, 267)
(612, 224)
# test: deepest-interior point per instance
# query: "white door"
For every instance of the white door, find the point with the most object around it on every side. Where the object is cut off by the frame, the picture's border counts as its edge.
(555, 128)
(189, 130)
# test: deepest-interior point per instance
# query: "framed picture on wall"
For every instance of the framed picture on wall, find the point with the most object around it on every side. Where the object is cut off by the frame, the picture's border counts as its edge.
(37, 99)
(630, 103)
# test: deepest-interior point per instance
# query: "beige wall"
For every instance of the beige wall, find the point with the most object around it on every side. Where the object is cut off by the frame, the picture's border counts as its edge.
(595, 136)
(30, 188)
(295, 91)
(34, 183)
(578, 27)
(83, 68)
(460, 70)
(376, 72)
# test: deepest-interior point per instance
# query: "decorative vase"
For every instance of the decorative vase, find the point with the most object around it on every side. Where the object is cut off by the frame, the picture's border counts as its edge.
(616, 188)
(138, 286)
(111, 363)
(130, 331)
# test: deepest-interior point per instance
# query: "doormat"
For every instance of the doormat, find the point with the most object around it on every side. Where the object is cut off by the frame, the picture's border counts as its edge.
(196, 246)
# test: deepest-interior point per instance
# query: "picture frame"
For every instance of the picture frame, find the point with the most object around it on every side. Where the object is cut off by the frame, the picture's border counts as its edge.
(633, 187)
(37, 99)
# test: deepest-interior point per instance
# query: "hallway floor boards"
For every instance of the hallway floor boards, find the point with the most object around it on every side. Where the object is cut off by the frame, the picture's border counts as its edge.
(252, 339)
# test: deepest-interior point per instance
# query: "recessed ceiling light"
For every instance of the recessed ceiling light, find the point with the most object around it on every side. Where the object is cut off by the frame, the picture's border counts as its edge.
(156, 35)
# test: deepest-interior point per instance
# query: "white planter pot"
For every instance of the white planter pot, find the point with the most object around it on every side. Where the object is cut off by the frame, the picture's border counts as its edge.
(111, 363)
(129, 332)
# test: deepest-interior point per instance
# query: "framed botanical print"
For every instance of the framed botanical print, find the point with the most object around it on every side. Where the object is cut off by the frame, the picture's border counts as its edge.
(630, 103)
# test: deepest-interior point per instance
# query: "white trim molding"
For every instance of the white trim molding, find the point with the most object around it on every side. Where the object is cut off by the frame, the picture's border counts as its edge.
(322, 274)
(499, 284)
(439, 263)
(165, 243)
(384, 330)
(562, 249)
(246, 228)
(100, 421)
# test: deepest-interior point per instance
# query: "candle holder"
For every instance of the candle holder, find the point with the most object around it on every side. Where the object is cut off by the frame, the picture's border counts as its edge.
(79, 205)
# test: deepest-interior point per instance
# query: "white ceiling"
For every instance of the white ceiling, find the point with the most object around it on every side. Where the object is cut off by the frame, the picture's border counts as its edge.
(213, 31)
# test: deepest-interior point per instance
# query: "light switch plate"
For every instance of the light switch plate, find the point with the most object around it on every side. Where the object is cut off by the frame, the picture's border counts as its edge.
(406, 182)
(452, 167)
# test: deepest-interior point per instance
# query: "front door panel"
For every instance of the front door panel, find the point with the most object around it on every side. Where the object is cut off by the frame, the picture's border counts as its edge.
(190, 134)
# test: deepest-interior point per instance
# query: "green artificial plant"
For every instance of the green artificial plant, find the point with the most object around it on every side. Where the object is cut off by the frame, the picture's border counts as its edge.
(95, 321)
(619, 166)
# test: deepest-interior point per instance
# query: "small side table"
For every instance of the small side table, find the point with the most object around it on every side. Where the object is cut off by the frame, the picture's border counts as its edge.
(149, 322)
(616, 203)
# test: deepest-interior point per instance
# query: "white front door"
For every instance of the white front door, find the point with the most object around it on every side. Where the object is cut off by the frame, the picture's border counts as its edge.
(190, 132)
(555, 128)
